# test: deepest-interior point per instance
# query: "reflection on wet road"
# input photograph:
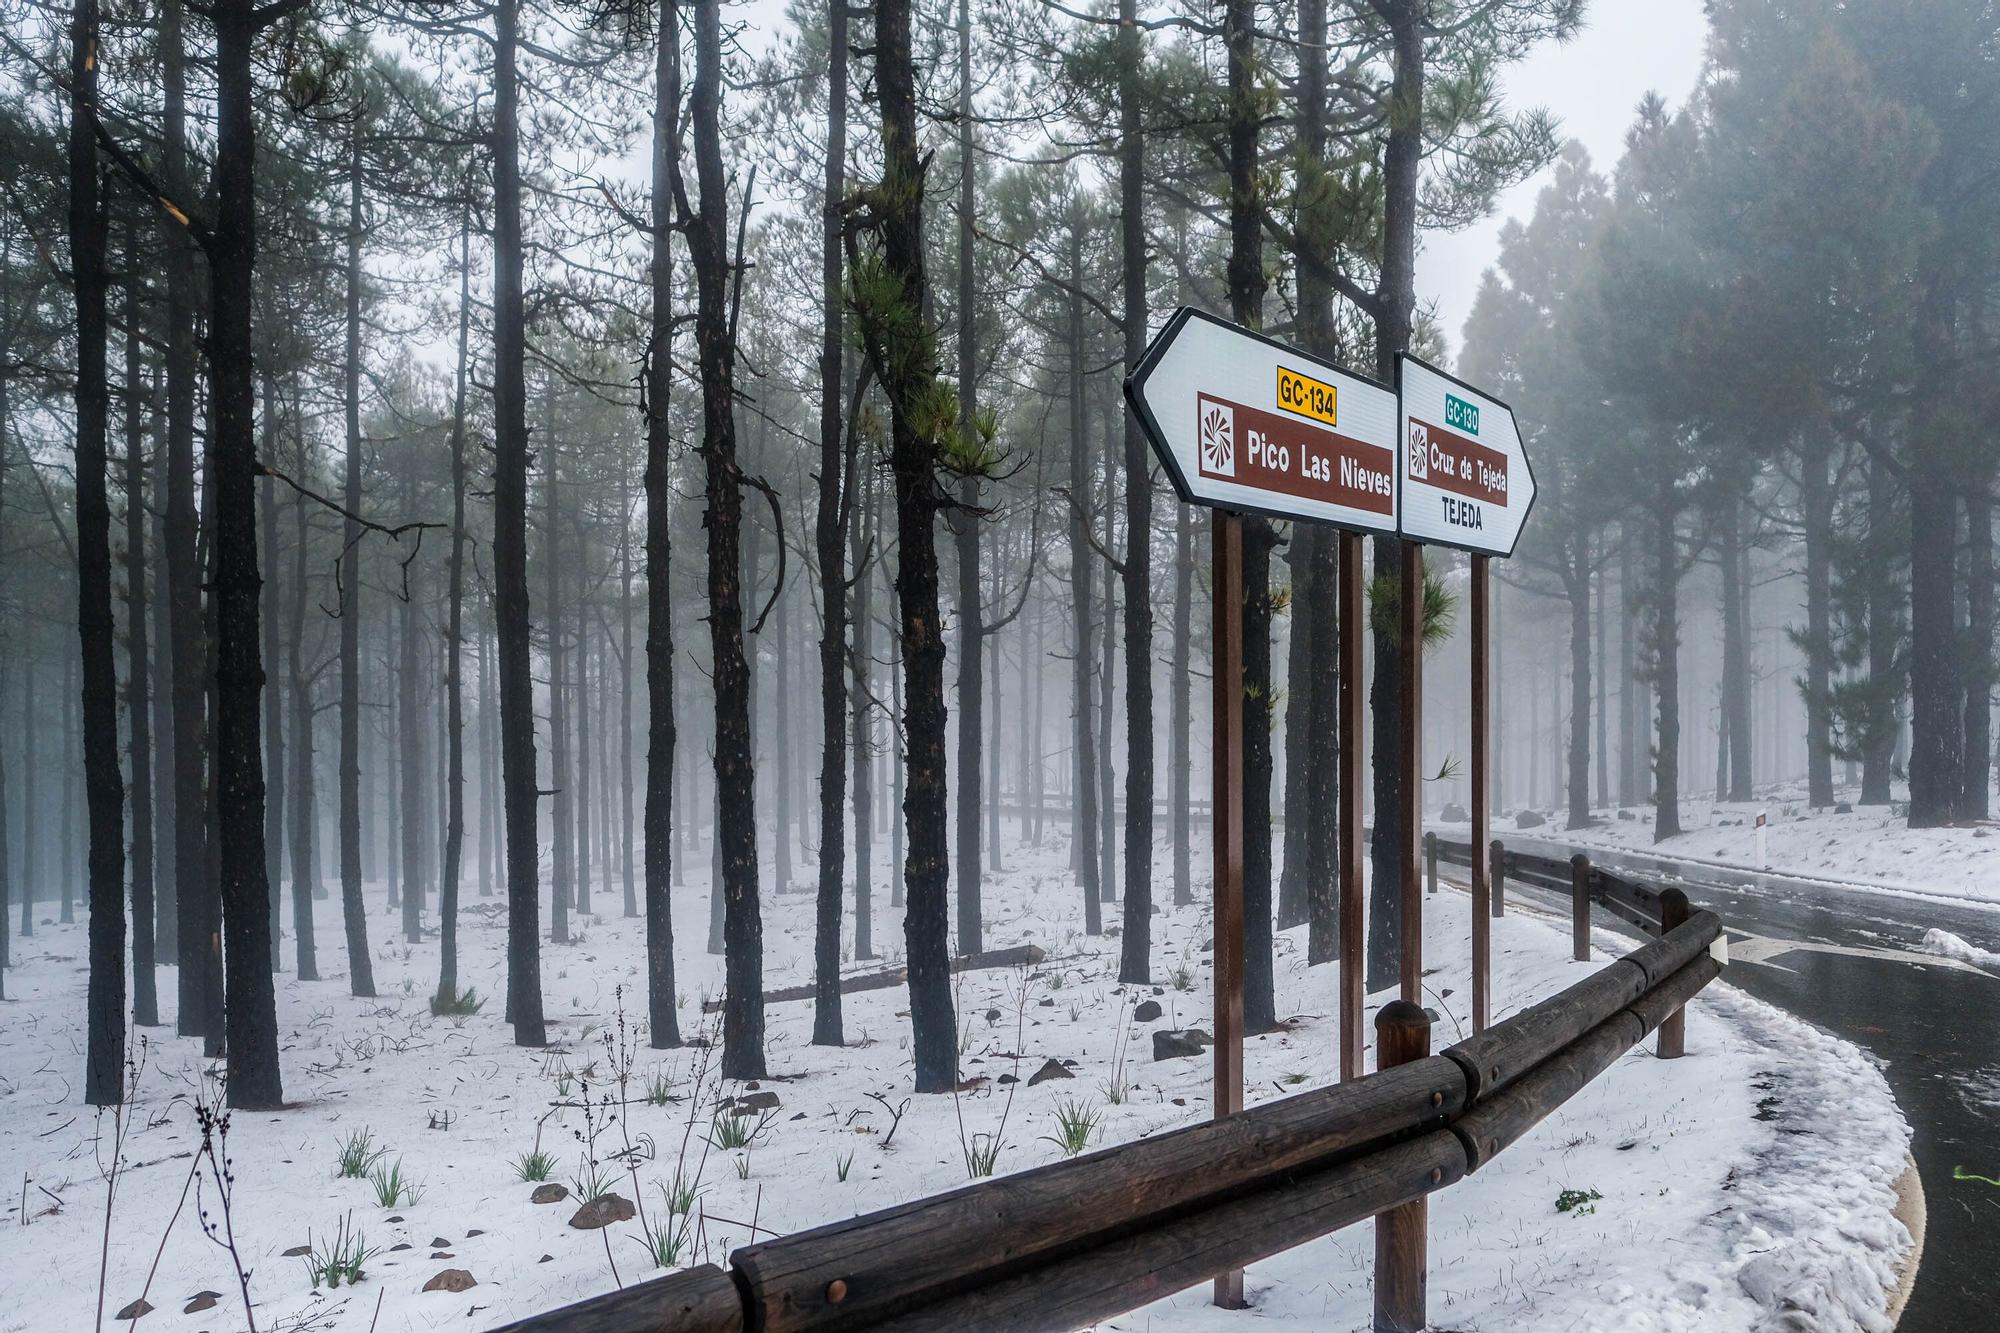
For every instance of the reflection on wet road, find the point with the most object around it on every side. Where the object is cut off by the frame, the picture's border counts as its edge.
(1934, 1027)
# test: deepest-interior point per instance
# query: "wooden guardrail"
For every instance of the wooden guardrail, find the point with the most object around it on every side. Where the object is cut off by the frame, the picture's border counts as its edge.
(1077, 1241)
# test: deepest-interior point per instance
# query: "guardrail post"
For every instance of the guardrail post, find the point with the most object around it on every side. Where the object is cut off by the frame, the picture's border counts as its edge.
(1402, 1034)
(1674, 911)
(1431, 861)
(1579, 891)
(1499, 878)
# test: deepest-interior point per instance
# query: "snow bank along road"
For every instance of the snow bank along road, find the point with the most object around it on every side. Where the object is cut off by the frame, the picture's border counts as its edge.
(1745, 1185)
(1914, 980)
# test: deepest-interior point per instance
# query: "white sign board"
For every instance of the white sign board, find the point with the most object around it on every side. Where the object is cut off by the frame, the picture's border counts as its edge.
(1465, 477)
(1246, 423)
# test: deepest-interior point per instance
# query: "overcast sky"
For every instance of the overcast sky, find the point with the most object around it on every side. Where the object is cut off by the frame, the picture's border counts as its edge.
(1593, 85)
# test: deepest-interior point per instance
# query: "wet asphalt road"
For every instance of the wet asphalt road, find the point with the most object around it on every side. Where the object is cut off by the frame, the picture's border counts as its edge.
(1935, 1028)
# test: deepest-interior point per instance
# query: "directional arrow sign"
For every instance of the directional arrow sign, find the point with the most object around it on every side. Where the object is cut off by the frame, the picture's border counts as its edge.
(1249, 424)
(1465, 477)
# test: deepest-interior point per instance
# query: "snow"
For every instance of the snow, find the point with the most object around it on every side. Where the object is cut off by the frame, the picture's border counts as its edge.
(1867, 846)
(1947, 945)
(1721, 1207)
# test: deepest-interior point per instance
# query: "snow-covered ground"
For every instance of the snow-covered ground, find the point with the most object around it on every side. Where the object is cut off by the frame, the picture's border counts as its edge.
(1869, 846)
(1752, 1179)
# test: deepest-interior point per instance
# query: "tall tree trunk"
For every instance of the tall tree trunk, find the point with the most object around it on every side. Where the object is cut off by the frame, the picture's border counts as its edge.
(735, 775)
(454, 642)
(1107, 676)
(579, 702)
(905, 361)
(1135, 961)
(1181, 724)
(1880, 730)
(1665, 651)
(510, 544)
(1395, 298)
(410, 744)
(145, 993)
(1737, 672)
(1974, 802)
(104, 786)
(562, 885)
(658, 481)
(1298, 725)
(274, 703)
(861, 515)
(1816, 506)
(1576, 583)
(251, 1015)
(353, 910)
(188, 919)
(1083, 793)
(1631, 725)
(965, 523)
(304, 942)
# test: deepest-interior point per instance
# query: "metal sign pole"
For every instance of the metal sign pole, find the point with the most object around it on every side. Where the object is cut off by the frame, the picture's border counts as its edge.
(1482, 814)
(1411, 615)
(1228, 761)
(1353, 994)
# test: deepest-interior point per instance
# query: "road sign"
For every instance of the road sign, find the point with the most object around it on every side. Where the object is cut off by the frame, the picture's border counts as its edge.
(1246, 423)
(1465, 475)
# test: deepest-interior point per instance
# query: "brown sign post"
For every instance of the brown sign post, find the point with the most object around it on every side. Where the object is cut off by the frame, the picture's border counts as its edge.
(1245, 424)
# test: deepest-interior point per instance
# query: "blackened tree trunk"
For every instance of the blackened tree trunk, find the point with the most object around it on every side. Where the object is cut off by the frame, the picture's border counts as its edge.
(861, 519)
(905, 361)
(1664, 652)
(561, 806)
(835, 502)
(139, 666)
(965, 523)
(251, 1014)
(1181, 690)
(1576, 586)
(1135, 960)
(1937, 721)
(1973, 801)
(1083, 660)
(301, 837)
(510, 545)
(1735, 651)
(353, 911)
(1882, 723)
(1107, 676)
(274, 702)
(1247, 284)
(1395, 305)
(454, 643)
(104, 786)
(661, 1012)
(1298, 725)
(194, 915)
(1816, 511)
(735, 773)
(410, 745)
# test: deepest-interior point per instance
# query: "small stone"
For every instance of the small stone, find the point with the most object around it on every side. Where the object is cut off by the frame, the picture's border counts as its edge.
(756, 1101)
(1050, 1069)
(203, 1300)
(451, 1279)
(1454, 813)
(298, 1252)
(1175, 1045)
(397, 1218)
(474, 1232)
(800, 1116)
(602, 1211)
(1007, 1078)
(546, 1259)
(137, 1308)
(1528, 819)
(1842, 808)
(440, 1243)
(993, 1015)
(552, 1192)
(1148, 1011)
(1048, 1002)
(443, 1254)
(1159, 990)
(1180, 1101)
(405, 1245)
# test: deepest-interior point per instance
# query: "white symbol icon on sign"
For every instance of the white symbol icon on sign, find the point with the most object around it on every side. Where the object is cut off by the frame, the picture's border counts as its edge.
(1420, 451)
(1218, 440)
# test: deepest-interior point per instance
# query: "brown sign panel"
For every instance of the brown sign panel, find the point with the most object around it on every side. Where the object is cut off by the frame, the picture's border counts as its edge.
(1289, 455)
